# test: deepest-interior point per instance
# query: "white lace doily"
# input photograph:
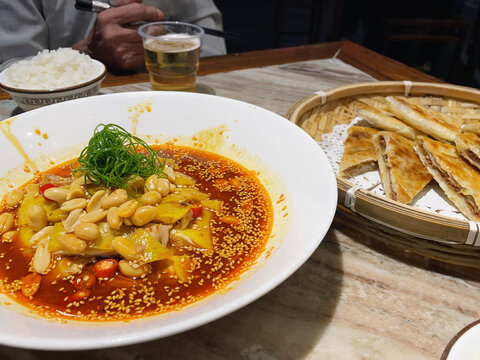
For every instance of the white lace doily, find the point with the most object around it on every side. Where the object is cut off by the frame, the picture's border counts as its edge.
(431, 198)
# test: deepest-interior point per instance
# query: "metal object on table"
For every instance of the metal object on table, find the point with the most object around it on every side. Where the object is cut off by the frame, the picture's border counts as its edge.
(99, 6)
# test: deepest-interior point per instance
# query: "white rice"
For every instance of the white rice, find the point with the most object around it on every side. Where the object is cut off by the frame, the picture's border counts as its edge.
(52, 69)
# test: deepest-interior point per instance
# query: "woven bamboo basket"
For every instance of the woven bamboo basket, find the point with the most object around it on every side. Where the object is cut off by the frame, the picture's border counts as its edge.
(436, 236)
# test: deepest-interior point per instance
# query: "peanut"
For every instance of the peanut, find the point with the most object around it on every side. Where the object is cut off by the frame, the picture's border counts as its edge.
(94, 203)
(9, 235)
(73, 204)
(113, 219)
(130, 270)
(57, 194)
(87, 231)
(6, 222)
(163, 186)
(41, 258)
(151, 198)
(37, 237)
(170, 173)
(127, 209)
(71, 243)
(94, 216)
(30, 284)
(73, 219)
(117, 198)
(151, 182)
(14, 197)
(76, 191)
(143, 215)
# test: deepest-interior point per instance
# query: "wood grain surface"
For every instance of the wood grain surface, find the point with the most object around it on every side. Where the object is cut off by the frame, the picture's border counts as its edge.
(370, 62)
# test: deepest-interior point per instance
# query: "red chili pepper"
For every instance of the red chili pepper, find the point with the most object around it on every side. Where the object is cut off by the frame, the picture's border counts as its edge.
(197, 210)
(46, 187)
(105, 268)
(85, 280)
(79, 295)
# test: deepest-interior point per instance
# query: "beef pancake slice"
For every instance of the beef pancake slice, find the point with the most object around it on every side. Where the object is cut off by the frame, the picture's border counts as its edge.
(359, 154)
(384, 121)
(457, 178)
(403, 174)
(471, 126)
(437, 125)
(468, 146)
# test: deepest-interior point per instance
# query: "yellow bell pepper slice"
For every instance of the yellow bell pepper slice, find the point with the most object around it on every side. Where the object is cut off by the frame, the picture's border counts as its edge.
(31, 198)
(54, 214)
(185, 195)
(200, 232)
(53, 243)
(212, 204)
(183, 180)
(182, 265)
(170, 212)
(25, 234)
(149, 248)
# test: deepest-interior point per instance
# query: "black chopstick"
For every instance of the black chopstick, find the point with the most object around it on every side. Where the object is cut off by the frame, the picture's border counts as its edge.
(92, 5)
(220, 33)
(98, 6)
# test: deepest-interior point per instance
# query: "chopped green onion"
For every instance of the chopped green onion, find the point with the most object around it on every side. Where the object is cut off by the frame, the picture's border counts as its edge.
(114, 156)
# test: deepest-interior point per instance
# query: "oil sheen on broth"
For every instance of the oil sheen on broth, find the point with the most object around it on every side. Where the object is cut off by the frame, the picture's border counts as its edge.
(172, 62)
(228, 236)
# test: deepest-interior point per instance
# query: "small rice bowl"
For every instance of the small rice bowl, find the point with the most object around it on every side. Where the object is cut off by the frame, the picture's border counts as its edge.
(52, 69)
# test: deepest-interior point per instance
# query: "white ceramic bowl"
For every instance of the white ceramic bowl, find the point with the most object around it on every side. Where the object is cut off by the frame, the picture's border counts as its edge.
(289, 162)
(28, 99)
(465, 345)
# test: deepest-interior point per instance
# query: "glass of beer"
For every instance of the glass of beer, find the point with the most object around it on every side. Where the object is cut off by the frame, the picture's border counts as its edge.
(172, 52)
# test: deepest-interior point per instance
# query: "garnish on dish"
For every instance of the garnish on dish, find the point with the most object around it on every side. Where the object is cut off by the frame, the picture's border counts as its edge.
(114, 157)
(129, 230)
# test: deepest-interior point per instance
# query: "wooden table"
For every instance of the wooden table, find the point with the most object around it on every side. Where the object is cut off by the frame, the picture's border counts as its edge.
(355, 298)
(379, 66)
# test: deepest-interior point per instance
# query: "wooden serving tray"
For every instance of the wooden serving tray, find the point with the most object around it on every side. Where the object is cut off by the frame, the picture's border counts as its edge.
(437, 236)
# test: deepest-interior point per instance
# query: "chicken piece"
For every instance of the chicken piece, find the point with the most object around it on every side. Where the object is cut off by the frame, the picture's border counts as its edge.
(185, 221)
(179, 239)
(160, 233)
(56, 180)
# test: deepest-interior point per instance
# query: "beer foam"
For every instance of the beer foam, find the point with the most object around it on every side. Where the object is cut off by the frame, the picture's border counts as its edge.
(172, 43)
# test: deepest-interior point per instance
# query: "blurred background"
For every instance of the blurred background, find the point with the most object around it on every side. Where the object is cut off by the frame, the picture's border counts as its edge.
(439, 37)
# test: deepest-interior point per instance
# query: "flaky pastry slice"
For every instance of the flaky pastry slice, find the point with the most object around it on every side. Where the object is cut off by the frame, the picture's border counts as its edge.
(383, 121)
(433, 123)
(468, 146)
(403, 174)
(471, 126)
(378, 102)
(359, 154)
(457, 178)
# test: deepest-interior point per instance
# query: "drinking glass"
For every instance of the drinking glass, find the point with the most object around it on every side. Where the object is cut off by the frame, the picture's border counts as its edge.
(172, 52)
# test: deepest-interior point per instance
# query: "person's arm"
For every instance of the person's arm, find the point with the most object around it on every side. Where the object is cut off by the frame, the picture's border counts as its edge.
(22, 28)
(113, 40)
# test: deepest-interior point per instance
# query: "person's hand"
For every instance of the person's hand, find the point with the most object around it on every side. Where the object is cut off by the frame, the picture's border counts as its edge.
(114, 40)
